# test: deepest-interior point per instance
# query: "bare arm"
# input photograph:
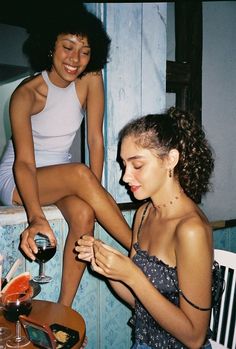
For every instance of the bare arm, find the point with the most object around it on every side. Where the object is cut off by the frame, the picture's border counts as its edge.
(95, 113)
(85, 249)
(124, 291)
(21, 108)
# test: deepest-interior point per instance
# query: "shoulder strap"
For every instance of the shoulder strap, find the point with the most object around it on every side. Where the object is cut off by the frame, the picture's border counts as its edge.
(218, 285)
(143, 215)
(45, 77)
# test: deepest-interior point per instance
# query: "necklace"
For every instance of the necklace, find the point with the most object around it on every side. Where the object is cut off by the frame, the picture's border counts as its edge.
(171, 202)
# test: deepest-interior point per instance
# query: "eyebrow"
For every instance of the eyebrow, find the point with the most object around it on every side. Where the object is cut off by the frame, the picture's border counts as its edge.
(73, 42)
(135, 157)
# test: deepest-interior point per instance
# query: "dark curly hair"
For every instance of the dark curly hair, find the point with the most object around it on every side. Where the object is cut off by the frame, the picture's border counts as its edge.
(176, 129)
(41, 42)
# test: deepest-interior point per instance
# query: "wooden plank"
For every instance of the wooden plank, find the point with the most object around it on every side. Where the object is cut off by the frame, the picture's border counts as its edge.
(153, 58)
(135, 77)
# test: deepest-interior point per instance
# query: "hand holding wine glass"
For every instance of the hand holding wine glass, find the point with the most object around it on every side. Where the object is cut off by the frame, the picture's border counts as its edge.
(14, 305)
(38, 226)
(45, 252)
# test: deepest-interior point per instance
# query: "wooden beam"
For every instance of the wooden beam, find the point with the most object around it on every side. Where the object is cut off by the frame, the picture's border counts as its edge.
(178, 75)
(188, 36)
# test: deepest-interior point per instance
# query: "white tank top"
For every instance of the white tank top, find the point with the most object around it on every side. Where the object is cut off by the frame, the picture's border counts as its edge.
(54, 128)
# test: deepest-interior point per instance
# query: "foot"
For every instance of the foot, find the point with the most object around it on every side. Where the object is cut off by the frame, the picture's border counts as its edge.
(85, 342)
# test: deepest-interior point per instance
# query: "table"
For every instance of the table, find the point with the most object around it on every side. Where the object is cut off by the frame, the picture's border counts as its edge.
(46, 312)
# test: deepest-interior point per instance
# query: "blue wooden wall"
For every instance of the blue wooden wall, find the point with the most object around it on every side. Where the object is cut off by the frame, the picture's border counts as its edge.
(135, 76)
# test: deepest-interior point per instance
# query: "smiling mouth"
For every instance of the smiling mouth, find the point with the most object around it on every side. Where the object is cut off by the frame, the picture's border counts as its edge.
(71, 69)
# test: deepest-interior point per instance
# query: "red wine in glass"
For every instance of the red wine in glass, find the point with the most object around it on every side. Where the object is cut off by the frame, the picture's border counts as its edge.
(14, 305)
(45, 252)
(13, 310)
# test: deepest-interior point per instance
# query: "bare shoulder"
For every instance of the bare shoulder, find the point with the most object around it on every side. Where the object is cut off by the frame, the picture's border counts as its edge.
(90, 88)
(94, 75)
(22, 92)
(28, 90)
(90, 79)
(27, 80)
(193, 229)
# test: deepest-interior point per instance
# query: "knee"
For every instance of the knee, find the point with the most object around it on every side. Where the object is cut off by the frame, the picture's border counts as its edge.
(85, 174)
(86, 213)
(82, 219)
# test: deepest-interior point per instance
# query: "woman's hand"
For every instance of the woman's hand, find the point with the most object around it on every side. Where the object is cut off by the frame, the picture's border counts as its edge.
(38, 225)
(85, 248)
(111, 263)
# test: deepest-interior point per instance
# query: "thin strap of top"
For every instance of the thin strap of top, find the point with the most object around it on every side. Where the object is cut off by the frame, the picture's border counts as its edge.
(144, 214)
(46, 78)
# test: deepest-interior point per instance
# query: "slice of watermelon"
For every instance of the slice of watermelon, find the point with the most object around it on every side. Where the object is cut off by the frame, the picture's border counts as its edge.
(20, 283)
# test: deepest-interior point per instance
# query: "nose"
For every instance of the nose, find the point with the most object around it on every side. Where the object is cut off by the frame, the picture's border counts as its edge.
(126, 176)
(74, 57)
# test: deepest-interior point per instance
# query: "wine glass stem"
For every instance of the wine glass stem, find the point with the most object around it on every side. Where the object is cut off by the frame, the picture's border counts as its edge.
(42, 269)
(18, 331)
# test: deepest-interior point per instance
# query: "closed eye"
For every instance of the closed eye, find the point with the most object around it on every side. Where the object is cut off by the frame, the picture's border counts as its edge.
(85, 53)
(67, 48)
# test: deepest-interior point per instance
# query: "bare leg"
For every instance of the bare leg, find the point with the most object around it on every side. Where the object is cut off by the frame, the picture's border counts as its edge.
(105, 207)
(58, 181)
(80, 218)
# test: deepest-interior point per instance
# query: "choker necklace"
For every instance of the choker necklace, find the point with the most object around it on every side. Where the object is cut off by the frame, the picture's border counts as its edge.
(171, 202)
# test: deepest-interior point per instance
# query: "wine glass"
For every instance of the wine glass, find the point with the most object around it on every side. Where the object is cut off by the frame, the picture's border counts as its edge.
(14, 305)
(5, 332)
(45, 252)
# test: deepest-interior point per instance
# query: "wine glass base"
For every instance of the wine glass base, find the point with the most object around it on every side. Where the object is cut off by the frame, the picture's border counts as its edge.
(42, 279)
(15, 342)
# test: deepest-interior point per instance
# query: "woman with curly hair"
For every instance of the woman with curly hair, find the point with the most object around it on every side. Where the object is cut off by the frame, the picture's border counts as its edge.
(167, 279)
(46, 111)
